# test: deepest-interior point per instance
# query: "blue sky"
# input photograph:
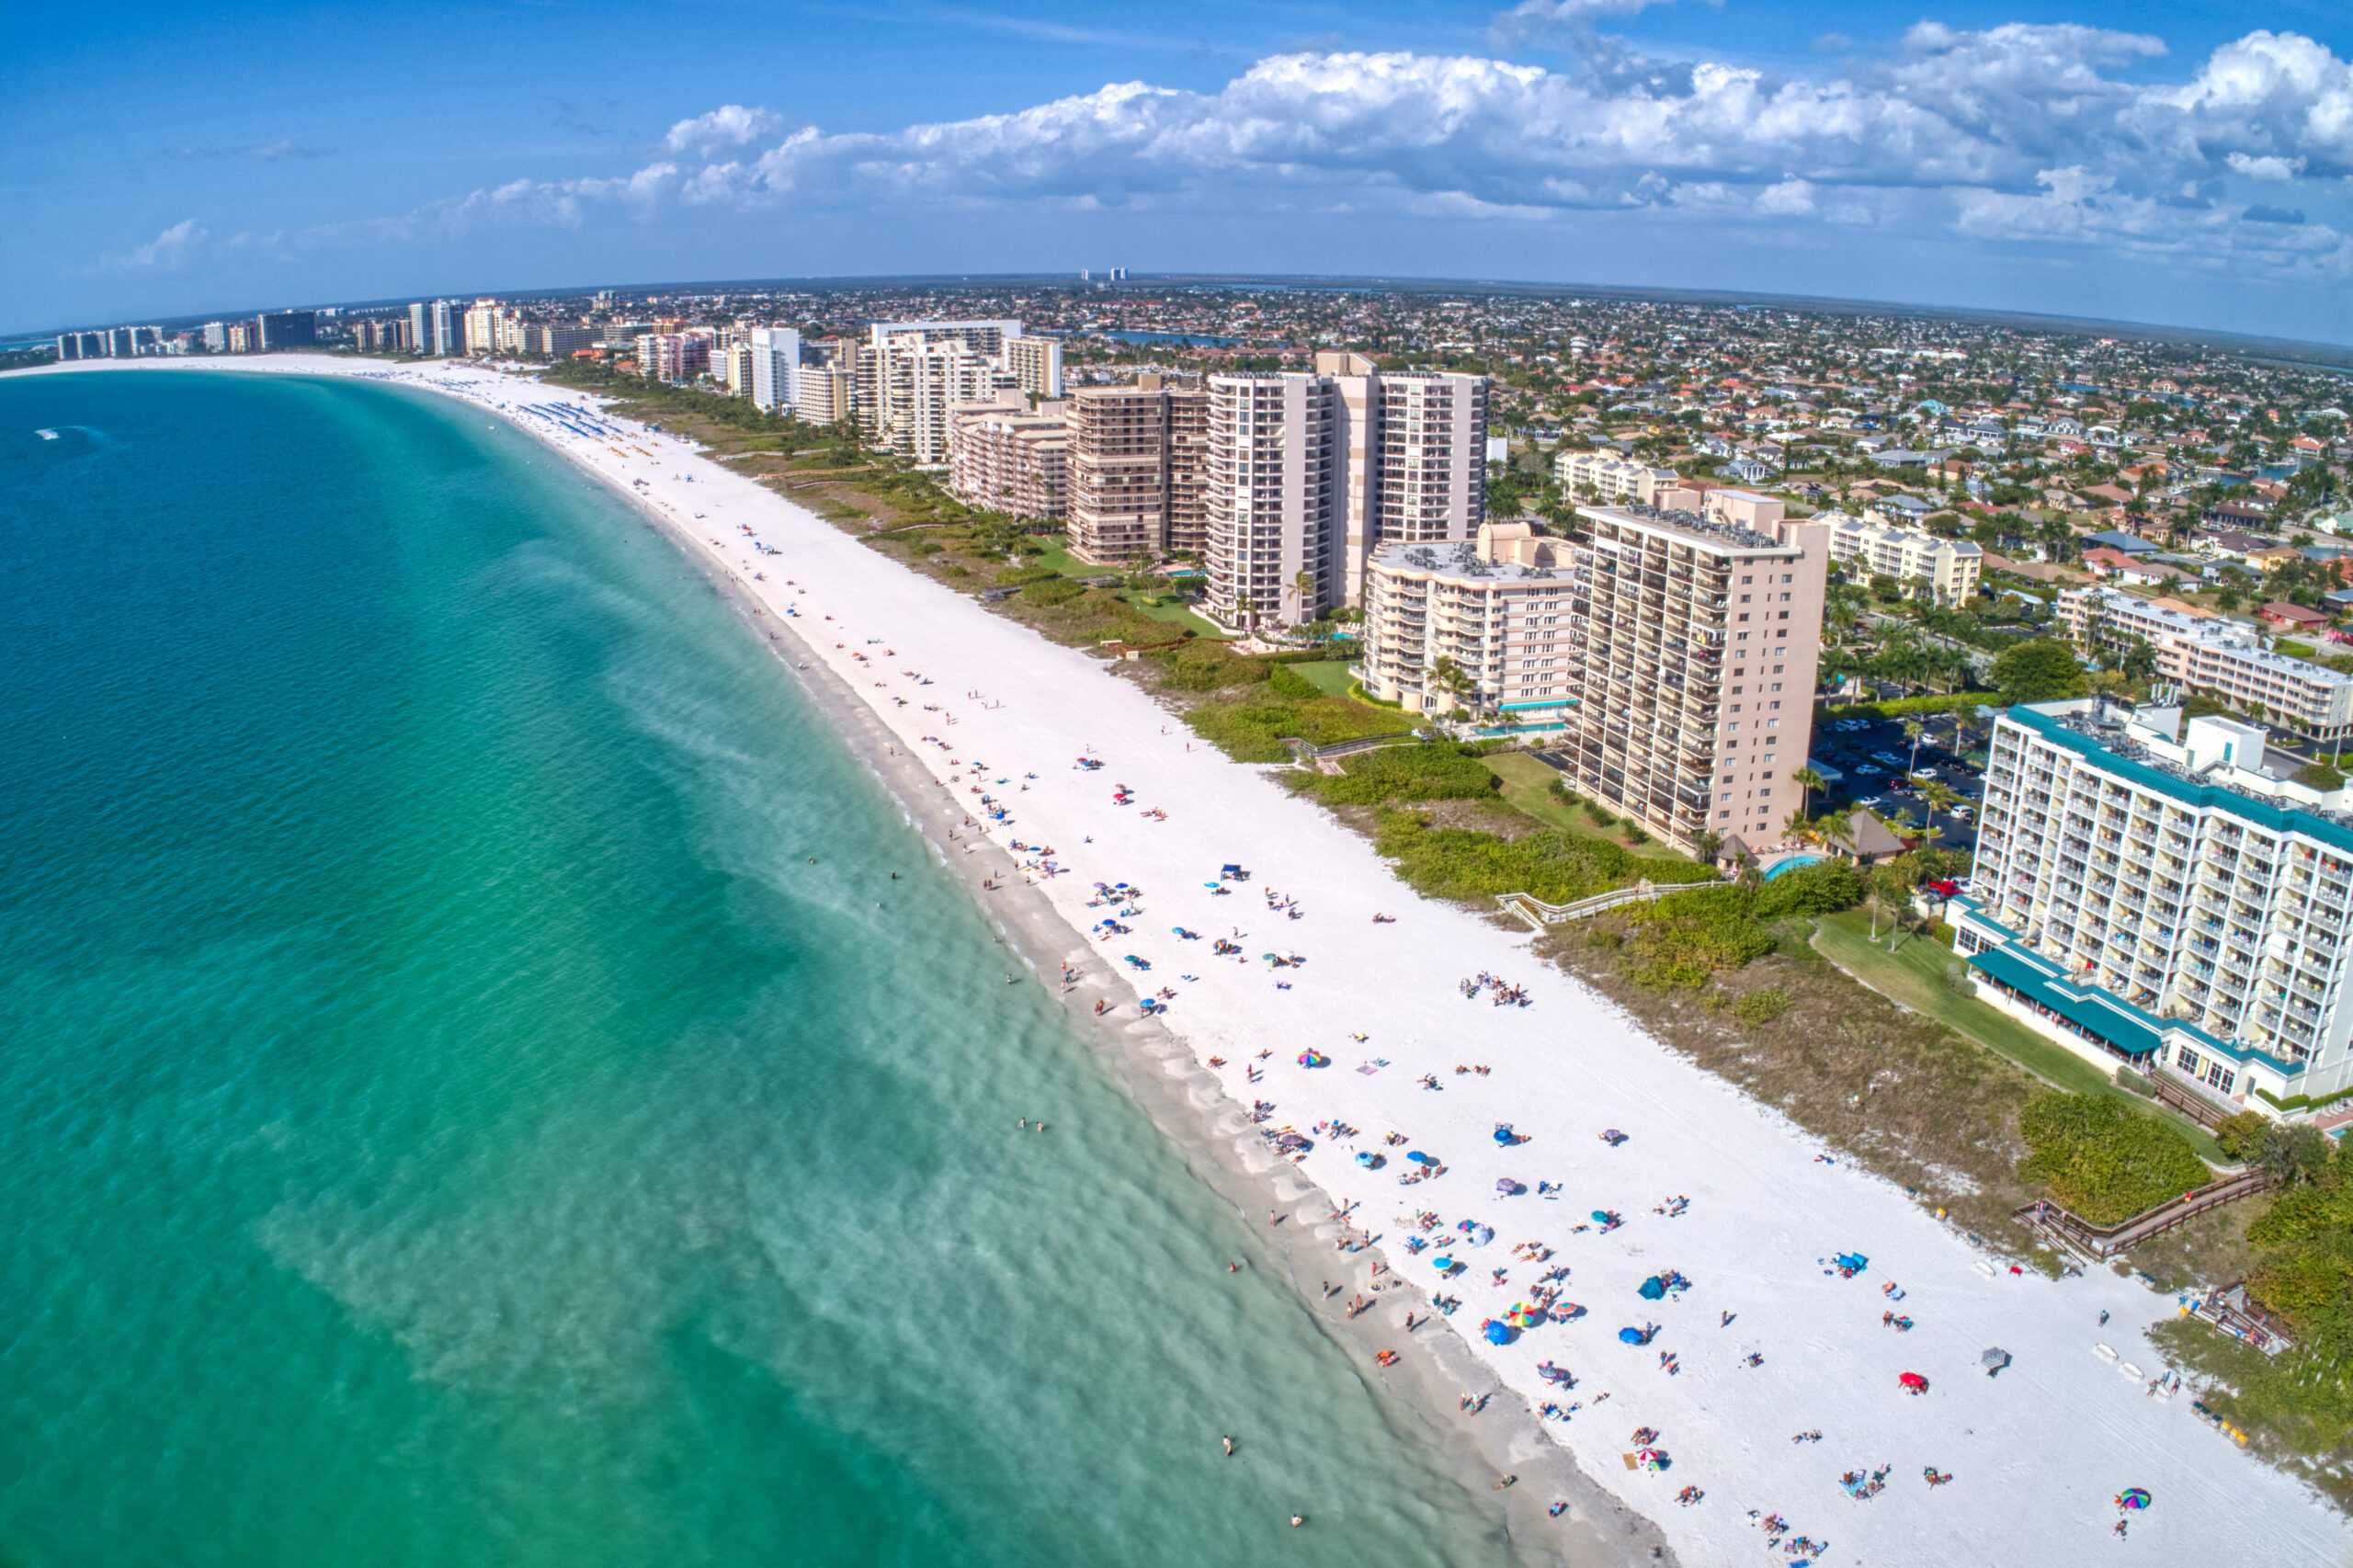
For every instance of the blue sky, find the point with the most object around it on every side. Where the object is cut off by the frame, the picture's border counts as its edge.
(2186, 163)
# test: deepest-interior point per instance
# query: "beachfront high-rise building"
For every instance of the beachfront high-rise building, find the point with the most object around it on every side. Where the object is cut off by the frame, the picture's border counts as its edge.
(985, 338)
(122, 343)
(908, 383)
(1036, 364)
(829, 396)
(420, 328)
(1443, 621)
(1007, 459)
(776, 366)
(243, 338)
(1311, 470)
(1138, 470)
(558, 340)
(1684, 654)
(447, 328)
(675, 356)
(282, 330)
(1414, 464)
(2169, 895)
(2201, 652)
(1274, 492)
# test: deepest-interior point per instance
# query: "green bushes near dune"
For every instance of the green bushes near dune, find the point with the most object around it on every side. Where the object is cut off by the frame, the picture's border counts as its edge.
(2104, 1162)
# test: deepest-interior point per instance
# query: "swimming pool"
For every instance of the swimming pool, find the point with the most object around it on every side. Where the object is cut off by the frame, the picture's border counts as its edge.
(1794, 863)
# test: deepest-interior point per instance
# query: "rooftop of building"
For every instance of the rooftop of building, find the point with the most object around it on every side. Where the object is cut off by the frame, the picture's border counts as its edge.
(2110, 736)
(1690, 524)
(1462, 559)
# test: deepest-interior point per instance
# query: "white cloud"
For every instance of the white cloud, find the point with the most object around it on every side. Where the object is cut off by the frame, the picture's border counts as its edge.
(2271, 167)
(170, 248)
(1532, 18)
(730, 125)
(2017, 134)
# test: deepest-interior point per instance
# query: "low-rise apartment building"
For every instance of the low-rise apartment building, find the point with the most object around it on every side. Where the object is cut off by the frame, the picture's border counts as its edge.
(1606, 477)
(1007, 459)
(2207, 652)
(1869, 546)
(2159, 893)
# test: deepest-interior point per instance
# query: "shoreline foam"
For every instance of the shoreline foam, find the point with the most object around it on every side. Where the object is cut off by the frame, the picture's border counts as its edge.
(2038, 1454)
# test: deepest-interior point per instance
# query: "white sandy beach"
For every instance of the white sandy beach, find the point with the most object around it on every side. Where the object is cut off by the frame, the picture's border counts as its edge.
(2036, 1454)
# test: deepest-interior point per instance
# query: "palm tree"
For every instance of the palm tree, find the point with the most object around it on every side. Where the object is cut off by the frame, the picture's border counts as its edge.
(1808, 780)
(1913, 730)
(1452, 679)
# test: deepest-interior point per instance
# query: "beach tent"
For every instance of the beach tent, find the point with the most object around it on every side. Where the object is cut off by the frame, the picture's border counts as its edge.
(1652, 1289)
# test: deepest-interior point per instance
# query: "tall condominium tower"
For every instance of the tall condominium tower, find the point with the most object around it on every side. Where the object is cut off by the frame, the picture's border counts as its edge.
(448, 328)
(1036, 364)
(1686, 655)
(1137, 479)
(1311, 471)
(1274, 489)
(776, 366)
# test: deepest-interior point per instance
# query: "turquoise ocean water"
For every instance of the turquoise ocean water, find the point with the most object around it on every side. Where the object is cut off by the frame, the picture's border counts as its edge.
(445, 1120)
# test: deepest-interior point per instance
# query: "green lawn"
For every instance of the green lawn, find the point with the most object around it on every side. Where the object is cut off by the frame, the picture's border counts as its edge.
(1914, 975)
(1527, 790)
(1329, 676)
(2295, 650)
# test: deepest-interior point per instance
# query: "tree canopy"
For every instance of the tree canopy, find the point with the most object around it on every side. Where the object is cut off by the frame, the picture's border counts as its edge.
(2042, 670)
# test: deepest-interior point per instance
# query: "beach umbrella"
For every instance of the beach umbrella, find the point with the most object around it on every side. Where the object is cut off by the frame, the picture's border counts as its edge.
(1503, 1134)
(1498, 1333)
(1914, 1382)
(1312, 1057)
(1420, 1158)
(1633, 1337)
(1481, 1235)
(1994, 1360)
(2134, 1498)
(1652, 1290)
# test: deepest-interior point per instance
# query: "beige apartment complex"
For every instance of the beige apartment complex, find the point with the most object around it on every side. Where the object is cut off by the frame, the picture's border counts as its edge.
(1036, 365)
(827, 395)
(1869, 547)
(1444, 620)
(1005, 458)
(2207, 652)
(1686, 651)
(1138, 470)
(1606, 477)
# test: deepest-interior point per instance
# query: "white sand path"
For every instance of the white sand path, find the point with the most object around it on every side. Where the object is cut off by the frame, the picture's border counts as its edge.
(2037, 1454)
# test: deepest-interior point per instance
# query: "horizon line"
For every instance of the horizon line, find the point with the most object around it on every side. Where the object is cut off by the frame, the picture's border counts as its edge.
(2247, 343)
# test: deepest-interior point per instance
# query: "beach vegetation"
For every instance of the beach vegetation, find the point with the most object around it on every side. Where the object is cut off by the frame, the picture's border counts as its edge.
(2300, 1402)
(2101, 1161)
(1404, 774)
(1553, 865)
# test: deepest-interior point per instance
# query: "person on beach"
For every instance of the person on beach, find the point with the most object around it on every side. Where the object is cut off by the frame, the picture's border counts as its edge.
(1229, 1446)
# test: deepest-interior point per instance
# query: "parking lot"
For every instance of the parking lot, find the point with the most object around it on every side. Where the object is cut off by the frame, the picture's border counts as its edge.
(1875, 757)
